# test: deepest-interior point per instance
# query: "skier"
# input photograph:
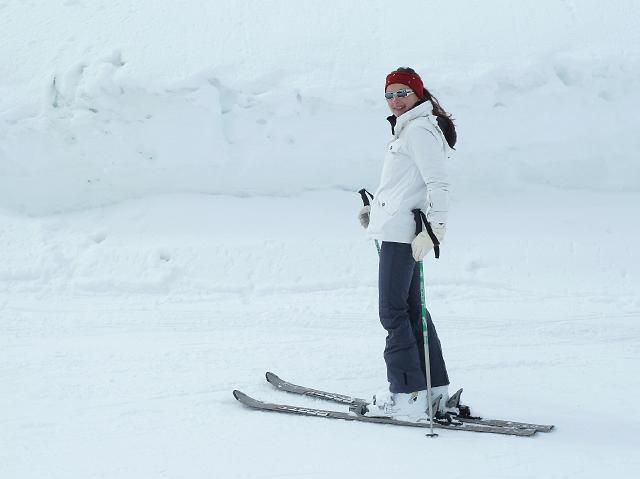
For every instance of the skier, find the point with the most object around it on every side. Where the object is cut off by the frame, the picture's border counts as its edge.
(413, 176)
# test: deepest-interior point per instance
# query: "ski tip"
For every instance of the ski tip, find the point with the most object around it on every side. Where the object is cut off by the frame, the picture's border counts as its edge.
(237, 394)
(270, 376)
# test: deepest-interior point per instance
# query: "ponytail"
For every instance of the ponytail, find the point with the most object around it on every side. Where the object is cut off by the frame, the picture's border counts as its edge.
(444, 120)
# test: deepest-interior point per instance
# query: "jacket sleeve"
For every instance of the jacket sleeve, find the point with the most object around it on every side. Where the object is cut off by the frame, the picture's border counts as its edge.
(428, 151)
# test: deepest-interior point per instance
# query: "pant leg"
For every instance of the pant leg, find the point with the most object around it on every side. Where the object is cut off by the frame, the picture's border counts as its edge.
(401, 352)
(439, 376)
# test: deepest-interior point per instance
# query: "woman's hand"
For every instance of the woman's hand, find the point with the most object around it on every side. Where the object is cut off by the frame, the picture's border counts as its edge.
(363, 216)
(422, 244)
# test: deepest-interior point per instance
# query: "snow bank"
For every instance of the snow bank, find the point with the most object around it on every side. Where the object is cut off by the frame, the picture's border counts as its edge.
(109, 101)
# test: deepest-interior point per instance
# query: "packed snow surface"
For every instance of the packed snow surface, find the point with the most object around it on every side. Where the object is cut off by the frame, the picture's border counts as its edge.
(178, 216)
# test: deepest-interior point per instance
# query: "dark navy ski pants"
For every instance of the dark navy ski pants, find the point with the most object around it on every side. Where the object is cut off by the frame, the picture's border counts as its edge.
(401, 315)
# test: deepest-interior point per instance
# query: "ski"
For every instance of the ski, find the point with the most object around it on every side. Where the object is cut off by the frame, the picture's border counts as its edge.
(328, 414)
(357, 405)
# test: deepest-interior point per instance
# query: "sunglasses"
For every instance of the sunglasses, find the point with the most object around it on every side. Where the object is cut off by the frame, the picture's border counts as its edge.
(398, 94)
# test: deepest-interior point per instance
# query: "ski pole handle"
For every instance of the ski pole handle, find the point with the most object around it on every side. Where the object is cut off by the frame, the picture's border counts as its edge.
(365, 198)
(420, 219)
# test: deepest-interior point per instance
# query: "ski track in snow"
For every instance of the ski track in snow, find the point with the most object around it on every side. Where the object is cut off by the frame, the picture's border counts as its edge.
(134, 379)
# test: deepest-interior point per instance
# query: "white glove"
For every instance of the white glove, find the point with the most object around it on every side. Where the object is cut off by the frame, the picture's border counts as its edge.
(363, 216)
(422, 244)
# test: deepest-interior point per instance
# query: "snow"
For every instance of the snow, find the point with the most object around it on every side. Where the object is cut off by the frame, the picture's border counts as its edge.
(178, 216)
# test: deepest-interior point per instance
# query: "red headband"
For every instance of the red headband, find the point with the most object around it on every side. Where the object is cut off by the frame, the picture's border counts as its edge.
(412, 80)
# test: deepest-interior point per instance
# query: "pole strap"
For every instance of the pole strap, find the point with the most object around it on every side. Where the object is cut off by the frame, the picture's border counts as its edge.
(365, 198)
(421, 219)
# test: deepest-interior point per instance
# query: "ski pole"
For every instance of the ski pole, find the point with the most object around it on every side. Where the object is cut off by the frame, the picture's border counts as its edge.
(417, 216)
(365, 200)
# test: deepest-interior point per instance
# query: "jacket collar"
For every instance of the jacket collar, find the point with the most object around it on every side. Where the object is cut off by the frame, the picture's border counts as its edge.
(421, 109)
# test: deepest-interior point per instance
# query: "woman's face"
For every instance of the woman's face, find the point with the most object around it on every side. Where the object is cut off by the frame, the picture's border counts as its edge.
(399, 105)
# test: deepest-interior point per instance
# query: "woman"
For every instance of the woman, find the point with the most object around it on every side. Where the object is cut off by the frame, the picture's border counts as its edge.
(413, 176)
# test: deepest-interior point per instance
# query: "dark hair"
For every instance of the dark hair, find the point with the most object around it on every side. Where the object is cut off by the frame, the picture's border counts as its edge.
(445, 122)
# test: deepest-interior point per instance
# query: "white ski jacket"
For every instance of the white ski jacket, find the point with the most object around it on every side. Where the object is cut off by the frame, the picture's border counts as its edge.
(413, 176)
